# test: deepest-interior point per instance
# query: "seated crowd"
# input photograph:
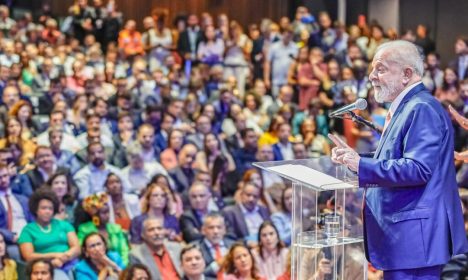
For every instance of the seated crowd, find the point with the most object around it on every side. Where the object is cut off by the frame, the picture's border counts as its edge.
(129, 155)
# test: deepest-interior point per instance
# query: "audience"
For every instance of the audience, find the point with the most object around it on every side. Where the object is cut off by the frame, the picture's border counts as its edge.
(144, 138)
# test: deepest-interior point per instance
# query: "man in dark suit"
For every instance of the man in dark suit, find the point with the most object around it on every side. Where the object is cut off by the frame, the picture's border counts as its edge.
(184, 175)
(190, 38)
(162, 257)
(244, 219)
(214, 245)
(413, 222)
(193, 264)
(45, 167)
(460, 64)
(14, 213)
(192, 219)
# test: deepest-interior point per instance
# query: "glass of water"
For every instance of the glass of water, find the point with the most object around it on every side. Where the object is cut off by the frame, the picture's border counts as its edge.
(332, 227)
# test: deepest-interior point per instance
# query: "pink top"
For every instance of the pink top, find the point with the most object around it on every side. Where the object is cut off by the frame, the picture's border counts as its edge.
(273, 266)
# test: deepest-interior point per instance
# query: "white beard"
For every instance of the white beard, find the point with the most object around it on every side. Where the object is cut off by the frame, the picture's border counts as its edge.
(386, 93)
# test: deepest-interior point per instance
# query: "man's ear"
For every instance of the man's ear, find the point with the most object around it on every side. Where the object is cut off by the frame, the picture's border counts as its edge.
(407, 74)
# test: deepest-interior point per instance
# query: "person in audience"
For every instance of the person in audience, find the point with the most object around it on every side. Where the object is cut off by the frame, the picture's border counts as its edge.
(192, 219)
(123, 207)
(14, 139)
(63, 158)
(162, 257)
(271, 254)
(91, 178)
(239, 264)
(211, 151)
(244, 219)
(174, 145)
(192, 263)
(155, 203)
(184, 174)
(215, 244)
(61, 185)
(139, 172)
(283, 218)
(7, 265)
(49, 238)
(97, 261)
(97, 207)
(14, 213)
(135, 272)
(45, 167)
(40, 269)
(177, 205)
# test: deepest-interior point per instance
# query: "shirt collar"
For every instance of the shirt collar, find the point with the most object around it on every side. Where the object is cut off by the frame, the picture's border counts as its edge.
(245, 211)
(4, 193)
(211, 245)
(399, 98)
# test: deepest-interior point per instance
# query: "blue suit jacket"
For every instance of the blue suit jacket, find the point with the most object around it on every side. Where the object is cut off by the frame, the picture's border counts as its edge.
(412, 213)
(4, 218)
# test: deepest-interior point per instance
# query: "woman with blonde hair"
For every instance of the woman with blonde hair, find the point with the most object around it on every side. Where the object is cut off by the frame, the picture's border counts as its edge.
(155, 203)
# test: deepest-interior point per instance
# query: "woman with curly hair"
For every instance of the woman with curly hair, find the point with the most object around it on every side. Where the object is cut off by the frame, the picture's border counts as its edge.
(239, 264)
(48, 238)
(97, 207)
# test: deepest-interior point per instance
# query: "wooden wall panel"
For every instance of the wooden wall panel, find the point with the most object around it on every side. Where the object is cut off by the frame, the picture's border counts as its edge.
(244, 11)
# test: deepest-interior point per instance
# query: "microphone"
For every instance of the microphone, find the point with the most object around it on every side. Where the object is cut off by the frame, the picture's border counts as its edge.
(360, 104)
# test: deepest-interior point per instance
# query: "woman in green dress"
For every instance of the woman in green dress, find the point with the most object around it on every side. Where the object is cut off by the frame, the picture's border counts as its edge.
(49, 238)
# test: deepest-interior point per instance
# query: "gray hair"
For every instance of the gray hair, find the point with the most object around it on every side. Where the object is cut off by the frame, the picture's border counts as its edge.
(404, 53)
(134, 149)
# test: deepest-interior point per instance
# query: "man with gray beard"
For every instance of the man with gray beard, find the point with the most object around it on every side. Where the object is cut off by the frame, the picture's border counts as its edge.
(412, 216)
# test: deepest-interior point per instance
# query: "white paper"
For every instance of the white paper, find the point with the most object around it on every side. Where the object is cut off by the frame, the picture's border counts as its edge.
(309, 176)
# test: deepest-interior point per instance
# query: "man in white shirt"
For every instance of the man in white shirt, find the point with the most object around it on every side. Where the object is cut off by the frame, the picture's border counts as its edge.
(91, 178)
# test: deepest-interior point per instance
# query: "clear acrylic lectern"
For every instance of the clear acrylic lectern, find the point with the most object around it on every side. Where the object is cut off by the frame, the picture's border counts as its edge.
(326, 233)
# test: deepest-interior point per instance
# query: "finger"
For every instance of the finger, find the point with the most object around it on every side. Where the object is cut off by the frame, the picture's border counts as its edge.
(335, 140)
(339, 142)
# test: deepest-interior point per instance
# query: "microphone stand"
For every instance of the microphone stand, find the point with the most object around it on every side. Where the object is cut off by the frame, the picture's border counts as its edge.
(361, 120)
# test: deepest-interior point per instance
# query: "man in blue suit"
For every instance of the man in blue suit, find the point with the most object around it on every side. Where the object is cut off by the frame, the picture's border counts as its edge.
(412, 214)
(14, 213)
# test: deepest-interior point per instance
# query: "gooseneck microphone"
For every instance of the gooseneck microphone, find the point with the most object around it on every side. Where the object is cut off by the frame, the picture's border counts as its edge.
(360, 104)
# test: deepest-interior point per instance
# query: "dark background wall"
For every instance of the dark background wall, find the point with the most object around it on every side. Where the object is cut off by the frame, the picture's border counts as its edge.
(244, 11)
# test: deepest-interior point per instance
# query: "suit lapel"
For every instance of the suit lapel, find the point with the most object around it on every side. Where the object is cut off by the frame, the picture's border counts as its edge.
(413, 92)
(147, 256)
(242, 224)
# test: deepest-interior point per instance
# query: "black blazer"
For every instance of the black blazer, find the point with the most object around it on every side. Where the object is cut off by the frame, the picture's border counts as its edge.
(190, 225)
(183, 45)
(36, 179)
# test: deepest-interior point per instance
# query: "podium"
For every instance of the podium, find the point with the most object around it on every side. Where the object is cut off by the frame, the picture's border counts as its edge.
(327, 231)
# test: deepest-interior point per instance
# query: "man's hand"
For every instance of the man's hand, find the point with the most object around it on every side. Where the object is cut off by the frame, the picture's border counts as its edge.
(344, 154)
